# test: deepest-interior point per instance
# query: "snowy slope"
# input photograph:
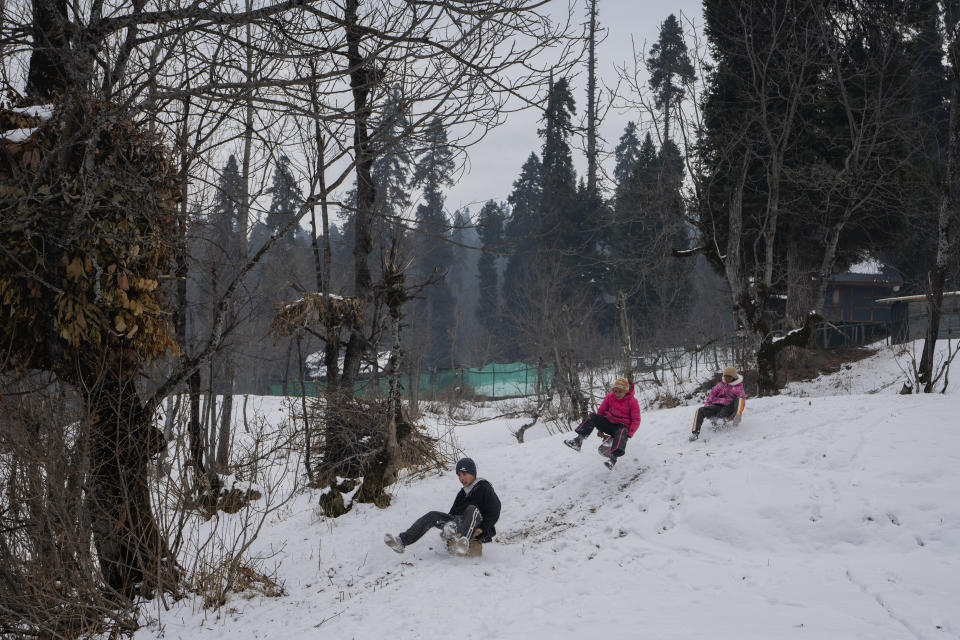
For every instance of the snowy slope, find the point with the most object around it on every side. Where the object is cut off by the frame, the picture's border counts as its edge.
(833, 516)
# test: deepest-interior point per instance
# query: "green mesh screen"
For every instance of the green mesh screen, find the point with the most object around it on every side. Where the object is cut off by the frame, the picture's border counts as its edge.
(493, 381)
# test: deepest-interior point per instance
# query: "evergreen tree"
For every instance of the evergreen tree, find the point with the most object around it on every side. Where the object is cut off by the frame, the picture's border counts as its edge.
(670, 69)
(463, 282)
(217, 241)
(227, 205)
(435, 166)
(281, 276)
(521, 241)
(490, 228)
(626, 154)
(913, 253)
(565, 234)
(285, 198)
(391, 170)
(808, 147)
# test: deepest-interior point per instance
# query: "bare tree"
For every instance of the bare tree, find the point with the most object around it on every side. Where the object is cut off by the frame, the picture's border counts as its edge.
(948, 218)
(113, 67)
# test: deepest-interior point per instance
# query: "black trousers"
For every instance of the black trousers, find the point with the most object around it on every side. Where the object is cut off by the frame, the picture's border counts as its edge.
(618, 432)
(467, 521)
(712, 411)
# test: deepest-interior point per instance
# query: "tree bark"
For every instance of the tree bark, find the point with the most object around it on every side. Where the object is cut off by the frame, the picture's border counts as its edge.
(132, 551)
(360, 85)
(226, 416)
(48, 73)
(592, 103)
(946, 225)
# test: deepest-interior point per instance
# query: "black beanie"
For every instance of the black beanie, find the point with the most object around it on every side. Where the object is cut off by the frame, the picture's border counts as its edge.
(467, 466)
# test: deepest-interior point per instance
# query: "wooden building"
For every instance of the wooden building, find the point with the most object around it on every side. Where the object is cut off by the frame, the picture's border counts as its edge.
(909, 317)
(852, 307)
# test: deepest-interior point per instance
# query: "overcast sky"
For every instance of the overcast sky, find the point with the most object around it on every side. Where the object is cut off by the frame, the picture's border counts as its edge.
(496, 160)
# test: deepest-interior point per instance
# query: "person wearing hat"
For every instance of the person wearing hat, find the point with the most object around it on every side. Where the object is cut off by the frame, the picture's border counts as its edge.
(473, 515)
(721, 401)
(618, 416)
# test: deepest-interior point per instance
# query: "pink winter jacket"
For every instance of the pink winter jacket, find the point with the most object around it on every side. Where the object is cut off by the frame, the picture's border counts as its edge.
(724, 393)
(625, 411)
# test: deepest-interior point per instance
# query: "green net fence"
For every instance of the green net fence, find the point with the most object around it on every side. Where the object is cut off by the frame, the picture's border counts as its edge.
(492, 381)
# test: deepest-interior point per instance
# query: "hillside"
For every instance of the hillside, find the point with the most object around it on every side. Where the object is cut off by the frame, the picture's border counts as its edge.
(822, 516)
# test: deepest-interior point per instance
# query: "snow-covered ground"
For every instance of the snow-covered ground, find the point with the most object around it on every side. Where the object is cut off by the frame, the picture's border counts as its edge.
(831, 512)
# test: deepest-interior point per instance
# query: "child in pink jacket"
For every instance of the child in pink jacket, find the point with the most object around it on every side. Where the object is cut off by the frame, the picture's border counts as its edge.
(618, 417)
(721, 401)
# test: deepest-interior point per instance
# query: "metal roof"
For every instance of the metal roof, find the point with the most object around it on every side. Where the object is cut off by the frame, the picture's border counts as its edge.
(919, 298)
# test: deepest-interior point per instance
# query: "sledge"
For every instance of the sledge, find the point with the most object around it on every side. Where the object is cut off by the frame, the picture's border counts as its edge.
(455, 544)
(474, 550)
(605, 446)
(733, 420)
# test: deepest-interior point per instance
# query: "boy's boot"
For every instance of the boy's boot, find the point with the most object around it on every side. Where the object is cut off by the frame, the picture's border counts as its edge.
(394, 542)
(574, 443)
(610, 463)
(449, 530)
(694, 436)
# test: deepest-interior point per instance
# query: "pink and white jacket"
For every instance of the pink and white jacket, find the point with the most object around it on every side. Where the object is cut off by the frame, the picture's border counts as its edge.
(724, 393)
(625, 411)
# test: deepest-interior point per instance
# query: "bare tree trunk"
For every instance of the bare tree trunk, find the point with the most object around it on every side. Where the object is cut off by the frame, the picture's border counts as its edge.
(592, 102)
(773, 214)
(360, 85)
(800, 295)
(226, 416)
(238, 245)
(210, 422)
(181, 266)
(307, 441)
(133, 553)
(626, 334)
(170, 416)
(48, 73)
(195, 433)
(946, 224)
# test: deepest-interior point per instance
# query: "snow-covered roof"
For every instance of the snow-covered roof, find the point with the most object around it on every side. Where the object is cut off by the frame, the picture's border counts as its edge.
(869, 266)
(869, 270)
(917, 298)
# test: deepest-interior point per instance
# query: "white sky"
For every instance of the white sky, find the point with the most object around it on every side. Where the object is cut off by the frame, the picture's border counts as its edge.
(496, 160)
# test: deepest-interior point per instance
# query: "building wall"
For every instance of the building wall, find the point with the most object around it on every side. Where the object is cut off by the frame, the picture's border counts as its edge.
(857, 303)
(917, 319)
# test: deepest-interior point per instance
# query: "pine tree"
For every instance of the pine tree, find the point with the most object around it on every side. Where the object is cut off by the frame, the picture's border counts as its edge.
(521, 241)
(463, 281)
(626, 154)
(216, 250)
(670, 69)
(565, 235)
(391, 170)
(490, 228)
(285, 198)
(435, 166)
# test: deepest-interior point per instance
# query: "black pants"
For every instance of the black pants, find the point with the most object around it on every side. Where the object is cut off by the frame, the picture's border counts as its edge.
(618, 432)
(467, 521)
(712, 411)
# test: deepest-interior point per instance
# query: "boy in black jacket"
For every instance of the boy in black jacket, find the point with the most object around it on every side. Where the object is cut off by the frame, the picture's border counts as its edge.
(474, 513)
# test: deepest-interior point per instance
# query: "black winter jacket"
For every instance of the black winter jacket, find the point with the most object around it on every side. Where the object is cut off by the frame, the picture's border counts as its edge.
(485, 499)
